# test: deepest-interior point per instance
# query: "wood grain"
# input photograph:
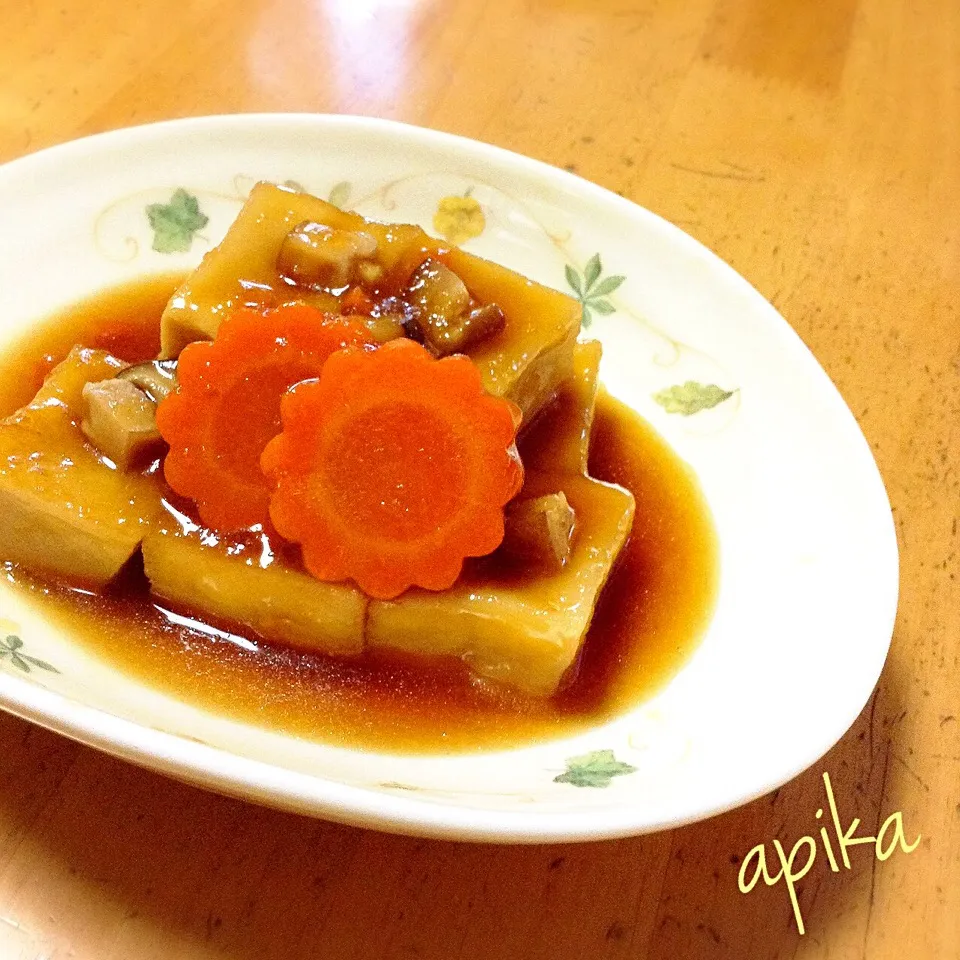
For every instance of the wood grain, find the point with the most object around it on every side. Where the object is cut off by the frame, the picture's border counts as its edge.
(815, 145)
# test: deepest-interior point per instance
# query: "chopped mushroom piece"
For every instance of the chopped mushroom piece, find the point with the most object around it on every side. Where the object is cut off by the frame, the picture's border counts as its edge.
(445, 322)
(404, 313)
(438, 291)
(540, 530)
(119, 419)
(324, 258)
(156, 378)
(471, 329)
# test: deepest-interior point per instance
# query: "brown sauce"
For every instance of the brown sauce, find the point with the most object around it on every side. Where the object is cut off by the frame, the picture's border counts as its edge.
(650, 617)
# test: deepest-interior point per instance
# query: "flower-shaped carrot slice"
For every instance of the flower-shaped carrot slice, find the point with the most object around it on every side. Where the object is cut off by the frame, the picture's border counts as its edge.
(228, 405)
(392, 468)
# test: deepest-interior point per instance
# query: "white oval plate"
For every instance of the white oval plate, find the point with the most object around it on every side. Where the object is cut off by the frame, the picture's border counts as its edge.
(808, 553)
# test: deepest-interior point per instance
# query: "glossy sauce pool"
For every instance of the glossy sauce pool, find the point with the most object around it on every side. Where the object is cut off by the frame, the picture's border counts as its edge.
(650, 617)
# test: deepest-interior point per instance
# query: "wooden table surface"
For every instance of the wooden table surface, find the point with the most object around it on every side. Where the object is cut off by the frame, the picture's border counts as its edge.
(815, 145)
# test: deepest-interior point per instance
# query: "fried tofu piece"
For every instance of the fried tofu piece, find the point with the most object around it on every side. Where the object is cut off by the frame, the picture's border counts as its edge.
(521, 630)
(532, 354)
(239, 580)
(64, 512)
(559, 441)
(243, 269)
(522, 627)
(524, 360)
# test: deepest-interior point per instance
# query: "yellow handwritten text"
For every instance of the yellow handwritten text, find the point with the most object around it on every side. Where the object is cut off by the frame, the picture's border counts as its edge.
(798, 863)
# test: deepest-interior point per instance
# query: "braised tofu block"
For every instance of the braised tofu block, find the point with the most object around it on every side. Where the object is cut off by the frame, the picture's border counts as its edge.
(514, 624)
(64, 511)
(559, 441)
(284, 246)
(522, 630)
(63, 386)
(239, 580)
(245, 269)
(532, 354)
(539, 530)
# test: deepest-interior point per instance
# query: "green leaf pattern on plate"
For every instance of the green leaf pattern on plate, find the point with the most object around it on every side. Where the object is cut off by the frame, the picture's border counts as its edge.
(590, 290)
(340, 194)
(594, 769)
(175, 223)
(691, 397)
(12, 646)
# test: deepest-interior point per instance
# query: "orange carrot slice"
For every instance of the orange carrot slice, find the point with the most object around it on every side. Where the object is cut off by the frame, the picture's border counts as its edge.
(392, 468)
(228, 405)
